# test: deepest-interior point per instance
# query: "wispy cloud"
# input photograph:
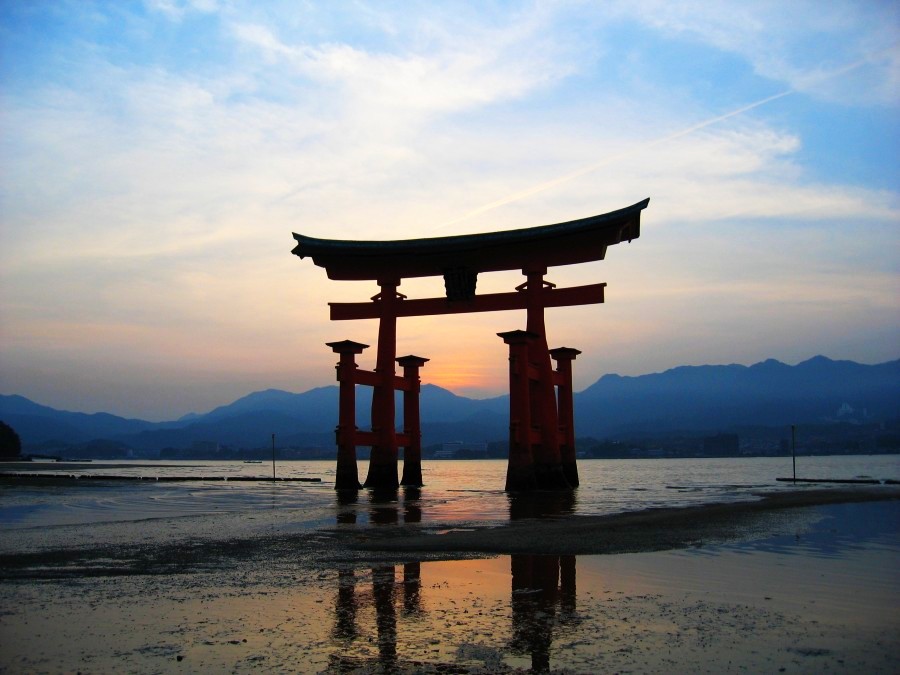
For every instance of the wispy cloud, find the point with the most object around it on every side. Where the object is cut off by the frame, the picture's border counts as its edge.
(447, 72)
(150, 186)
(176, 9)
(798, 43)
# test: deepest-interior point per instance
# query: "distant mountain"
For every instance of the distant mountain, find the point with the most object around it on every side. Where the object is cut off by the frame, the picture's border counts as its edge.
(695, 398)
(769, 393)
(310, 404)
(441, 405)
(300, 419)
(37, 423)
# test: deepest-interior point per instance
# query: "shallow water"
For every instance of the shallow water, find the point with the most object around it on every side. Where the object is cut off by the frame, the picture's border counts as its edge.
(823, 598)
(454, 492)
(820, 597)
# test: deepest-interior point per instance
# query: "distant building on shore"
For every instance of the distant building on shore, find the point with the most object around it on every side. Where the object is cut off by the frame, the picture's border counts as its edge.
(461, 450)
(721, 445)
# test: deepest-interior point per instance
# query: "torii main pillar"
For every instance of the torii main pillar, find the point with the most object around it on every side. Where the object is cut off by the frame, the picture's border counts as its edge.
(547, 461)
(543, 418)
(383, 460)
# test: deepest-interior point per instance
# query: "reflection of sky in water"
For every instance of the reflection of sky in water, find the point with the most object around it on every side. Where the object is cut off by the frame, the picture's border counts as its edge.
(827, 589)
(842, 528)
(96, 501)
(841, 558)
(830, 589)
(455, 491)
(656, 612)
(641, 612)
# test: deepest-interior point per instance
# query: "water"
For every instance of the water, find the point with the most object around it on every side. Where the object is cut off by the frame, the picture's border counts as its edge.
(454, 492)
(821, 600)
(821, 597)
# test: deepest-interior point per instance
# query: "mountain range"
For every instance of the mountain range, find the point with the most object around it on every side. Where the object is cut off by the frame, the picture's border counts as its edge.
(696, 398)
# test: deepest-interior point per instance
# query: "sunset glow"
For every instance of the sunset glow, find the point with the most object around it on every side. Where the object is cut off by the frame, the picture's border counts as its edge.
(157, 157)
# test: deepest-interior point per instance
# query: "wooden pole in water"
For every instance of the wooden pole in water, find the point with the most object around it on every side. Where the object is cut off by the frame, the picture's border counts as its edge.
(793, 450)
(273, 456)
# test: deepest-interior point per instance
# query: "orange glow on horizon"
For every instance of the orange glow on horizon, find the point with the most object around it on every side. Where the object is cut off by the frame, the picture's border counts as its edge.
(473, 374)
(456, 379)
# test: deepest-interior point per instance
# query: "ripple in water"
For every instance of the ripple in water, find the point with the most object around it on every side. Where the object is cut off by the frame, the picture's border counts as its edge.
(455, 491)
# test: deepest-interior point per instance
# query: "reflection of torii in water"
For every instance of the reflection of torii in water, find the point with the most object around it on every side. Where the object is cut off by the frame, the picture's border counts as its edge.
(542, 598)
(383, 510)
(542, 434)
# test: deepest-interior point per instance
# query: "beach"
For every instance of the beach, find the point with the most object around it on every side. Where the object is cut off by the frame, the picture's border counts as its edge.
(796, 581)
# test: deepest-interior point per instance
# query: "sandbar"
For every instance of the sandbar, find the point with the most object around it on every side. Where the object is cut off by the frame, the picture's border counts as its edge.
(770, 585)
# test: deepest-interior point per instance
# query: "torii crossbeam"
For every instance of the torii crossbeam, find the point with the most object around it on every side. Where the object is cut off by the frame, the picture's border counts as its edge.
(542, 448)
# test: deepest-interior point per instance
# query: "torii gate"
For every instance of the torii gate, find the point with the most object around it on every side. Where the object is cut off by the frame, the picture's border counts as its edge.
(541, 429)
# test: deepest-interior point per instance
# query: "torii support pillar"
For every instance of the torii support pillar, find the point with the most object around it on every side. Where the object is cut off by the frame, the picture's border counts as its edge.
(347, 475)
(566, 407)
(520, 470)
(546, 453)
(383, 461)
(412, 451)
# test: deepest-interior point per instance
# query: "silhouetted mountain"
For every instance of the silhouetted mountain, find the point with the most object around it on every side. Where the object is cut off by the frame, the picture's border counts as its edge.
(309, 419)
(441, 405)
(769, 393)
(37, 423)
(482, 426)
(307, 404)
(698, 398)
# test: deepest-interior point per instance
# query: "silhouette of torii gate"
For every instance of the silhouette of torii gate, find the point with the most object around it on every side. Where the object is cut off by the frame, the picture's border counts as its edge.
(541, 428)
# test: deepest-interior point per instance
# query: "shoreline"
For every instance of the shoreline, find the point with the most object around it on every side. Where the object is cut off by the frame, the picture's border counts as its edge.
(647, 530)
(349, 546)
(798, 581)
(807, 586)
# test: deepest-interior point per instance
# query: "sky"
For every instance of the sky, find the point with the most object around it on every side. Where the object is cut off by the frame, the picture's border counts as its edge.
(156, 157)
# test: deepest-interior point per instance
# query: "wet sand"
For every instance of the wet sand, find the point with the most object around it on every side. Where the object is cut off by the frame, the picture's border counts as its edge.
(698, 589)
(649, 530)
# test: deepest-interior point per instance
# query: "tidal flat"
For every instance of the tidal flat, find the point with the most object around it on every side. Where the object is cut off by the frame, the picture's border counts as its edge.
(796, 581)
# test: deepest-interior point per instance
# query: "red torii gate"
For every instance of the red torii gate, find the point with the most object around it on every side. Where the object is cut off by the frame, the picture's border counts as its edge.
(541, 432)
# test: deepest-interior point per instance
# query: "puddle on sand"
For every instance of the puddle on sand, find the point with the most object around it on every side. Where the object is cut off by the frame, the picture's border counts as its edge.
(733, 607)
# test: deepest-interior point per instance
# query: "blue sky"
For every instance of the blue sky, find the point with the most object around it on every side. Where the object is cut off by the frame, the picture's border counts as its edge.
(157, 156)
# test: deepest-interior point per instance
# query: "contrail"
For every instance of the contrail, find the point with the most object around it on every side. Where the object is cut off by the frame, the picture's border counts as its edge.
(650, 144)
(610, 159)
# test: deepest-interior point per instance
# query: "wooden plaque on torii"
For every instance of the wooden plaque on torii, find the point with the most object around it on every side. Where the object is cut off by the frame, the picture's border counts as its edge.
(541, 429)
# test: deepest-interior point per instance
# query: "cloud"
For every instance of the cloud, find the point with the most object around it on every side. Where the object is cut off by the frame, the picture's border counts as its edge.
(805, 44)
(148, 200)
(175, 10)
(446, 71)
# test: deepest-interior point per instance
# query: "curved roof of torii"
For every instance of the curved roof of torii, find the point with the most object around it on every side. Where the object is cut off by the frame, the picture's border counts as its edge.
(567, 243)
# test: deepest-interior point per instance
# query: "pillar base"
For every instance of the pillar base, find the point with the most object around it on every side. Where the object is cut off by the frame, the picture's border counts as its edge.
(570, 471)
(412, 474)
(347, 483)
(520, 479)
(346, 476)
(550, 477)
(382, 476)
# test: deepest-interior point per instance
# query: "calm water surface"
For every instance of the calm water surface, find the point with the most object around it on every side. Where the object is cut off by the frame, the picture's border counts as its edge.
(455, 491)
(822, 598)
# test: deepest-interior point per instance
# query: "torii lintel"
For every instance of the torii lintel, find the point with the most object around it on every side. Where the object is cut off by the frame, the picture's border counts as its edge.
(459, 259)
